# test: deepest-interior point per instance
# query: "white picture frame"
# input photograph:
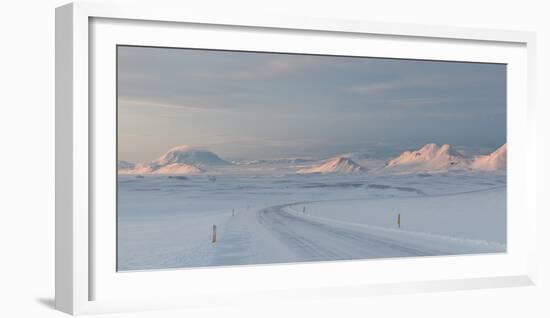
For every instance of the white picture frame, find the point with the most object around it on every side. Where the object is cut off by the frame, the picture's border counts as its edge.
(85, 280)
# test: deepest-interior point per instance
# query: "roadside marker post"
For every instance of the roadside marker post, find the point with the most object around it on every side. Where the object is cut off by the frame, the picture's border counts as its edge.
(399, 220)
(214, 233)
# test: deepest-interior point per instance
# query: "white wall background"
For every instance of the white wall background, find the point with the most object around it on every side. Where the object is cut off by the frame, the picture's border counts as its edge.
(27, 159)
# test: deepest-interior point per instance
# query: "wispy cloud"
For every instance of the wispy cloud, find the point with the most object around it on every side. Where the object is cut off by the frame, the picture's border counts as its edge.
(394, 85)
(157, 104)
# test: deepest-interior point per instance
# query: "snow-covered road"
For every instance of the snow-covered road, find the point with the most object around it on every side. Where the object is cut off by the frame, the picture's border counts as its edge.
(284, 233)
(315, 239)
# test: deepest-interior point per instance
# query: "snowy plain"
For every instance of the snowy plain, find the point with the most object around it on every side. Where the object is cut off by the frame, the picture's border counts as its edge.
(265, 213)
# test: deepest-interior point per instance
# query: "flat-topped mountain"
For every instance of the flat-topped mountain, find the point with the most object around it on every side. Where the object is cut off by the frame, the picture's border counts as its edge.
(189, 155)
(178, 160)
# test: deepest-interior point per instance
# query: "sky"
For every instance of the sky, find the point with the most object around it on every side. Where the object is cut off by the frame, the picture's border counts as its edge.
(247, 105)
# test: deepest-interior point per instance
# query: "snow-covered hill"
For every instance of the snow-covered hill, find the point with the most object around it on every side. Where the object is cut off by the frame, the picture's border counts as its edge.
(430, 157)
(335, 165)
(491, 162)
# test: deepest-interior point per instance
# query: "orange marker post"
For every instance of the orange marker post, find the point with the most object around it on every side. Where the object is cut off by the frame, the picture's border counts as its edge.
(399, 220)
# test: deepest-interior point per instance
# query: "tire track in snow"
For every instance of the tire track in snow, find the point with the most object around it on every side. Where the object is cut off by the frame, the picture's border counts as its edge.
(315, 240)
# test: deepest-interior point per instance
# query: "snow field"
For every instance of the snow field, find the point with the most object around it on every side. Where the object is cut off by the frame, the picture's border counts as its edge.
(167, 222)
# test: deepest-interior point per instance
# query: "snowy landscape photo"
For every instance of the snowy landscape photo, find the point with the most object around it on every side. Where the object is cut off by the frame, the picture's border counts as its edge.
(241, 158)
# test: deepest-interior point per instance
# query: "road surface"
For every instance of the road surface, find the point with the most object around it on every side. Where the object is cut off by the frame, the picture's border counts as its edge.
(283, 234)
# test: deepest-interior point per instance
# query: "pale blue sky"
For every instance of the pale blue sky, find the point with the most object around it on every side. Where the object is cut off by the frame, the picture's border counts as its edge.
(263, 105)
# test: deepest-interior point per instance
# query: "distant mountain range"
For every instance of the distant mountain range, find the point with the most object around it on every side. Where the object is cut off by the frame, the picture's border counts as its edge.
(429, 158)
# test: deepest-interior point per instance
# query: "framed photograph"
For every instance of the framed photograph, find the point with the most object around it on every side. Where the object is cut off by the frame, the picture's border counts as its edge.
(202, 158)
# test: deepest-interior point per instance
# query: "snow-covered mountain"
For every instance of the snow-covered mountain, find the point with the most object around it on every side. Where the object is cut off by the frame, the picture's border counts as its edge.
(430, 157)
(491, 162)
(188, 155)
(334, 165)
(178, 160)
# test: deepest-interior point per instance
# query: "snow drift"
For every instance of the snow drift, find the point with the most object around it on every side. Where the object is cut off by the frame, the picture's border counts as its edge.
(430, 157)
(491, 162)
(335, 165)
